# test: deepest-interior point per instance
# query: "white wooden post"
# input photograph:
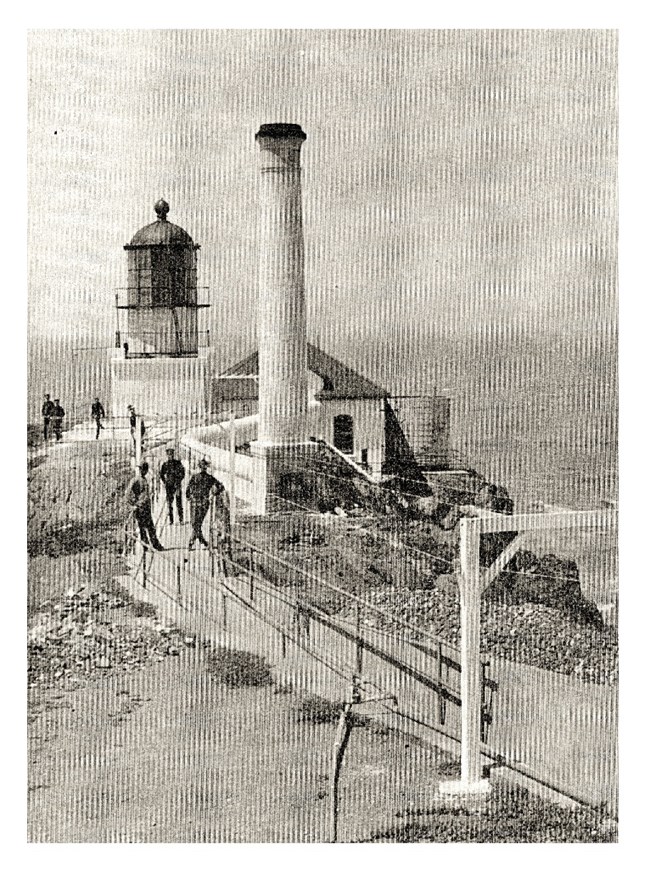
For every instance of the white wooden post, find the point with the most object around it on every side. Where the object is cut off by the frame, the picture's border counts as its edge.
(138, 440)
(233, 497)
(469, 582)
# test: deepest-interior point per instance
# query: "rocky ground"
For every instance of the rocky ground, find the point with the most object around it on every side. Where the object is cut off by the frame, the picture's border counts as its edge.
(509, 815)
(93, 631)
(534, 613)
(82, 625)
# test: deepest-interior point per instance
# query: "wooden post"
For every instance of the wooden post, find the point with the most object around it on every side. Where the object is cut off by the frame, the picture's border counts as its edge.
(138, 440)
(340, 744)
(145, 570)
(178, 581)
(359, 643)
(470, 665)
(233, 489)
(211, 537)
(483, 702)
(470, 660)
(442, 702)
(139, 553)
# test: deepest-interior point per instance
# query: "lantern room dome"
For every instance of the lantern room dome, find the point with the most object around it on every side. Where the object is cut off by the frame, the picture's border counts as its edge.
(162, 231)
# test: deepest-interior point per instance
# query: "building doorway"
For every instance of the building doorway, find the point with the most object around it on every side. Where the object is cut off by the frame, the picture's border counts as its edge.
(344, 433)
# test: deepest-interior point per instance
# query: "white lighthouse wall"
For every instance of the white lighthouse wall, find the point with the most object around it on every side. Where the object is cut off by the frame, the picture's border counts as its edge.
(163, 330)
(160, 388)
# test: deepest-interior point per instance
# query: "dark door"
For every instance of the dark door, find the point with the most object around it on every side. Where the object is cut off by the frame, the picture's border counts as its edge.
(344, 434)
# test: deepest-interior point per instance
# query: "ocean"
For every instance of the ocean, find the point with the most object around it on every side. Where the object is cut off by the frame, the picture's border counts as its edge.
(538, 416)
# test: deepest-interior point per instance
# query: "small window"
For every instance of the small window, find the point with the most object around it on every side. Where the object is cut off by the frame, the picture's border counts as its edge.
(344, 434)
(328, 384)
(364, 457)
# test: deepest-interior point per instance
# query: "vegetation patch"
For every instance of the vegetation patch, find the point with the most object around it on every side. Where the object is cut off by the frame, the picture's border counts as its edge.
(238, 668)
(312, 709)
(510, 814)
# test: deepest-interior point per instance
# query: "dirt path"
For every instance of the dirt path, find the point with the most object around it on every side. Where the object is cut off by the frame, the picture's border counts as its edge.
(563, 729)
(167, 754)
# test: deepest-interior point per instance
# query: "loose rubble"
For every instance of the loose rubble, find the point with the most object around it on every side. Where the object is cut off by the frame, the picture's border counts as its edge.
(533, 634)
(87, 634)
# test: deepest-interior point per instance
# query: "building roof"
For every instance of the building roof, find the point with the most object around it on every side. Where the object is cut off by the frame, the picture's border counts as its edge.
(339, 380)
(162, 231)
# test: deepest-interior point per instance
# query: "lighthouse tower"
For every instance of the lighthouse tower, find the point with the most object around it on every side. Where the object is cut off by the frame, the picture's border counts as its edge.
(159, 367)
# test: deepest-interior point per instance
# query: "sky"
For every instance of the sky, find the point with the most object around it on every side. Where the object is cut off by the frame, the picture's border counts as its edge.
(455, 181)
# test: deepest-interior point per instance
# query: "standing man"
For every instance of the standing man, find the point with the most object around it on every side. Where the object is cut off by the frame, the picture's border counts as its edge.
(132, 422)
(138, 495)
(56, 417)
(46, 411)
(201, 487)
(172, 473)
(97, 414)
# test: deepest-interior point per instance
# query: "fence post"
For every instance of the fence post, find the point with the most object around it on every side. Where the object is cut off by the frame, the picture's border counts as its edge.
(233, 495)
(359, 642)
(442, 702)
(211, 537)
(469, 583)
(340, 744)
(138, 440)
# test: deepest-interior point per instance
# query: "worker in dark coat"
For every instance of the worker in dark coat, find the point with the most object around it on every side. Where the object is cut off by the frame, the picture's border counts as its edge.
(172, 473)
(97, 413)
(138, 495)
(46, 412)
(201, 488)
(56, 417)
(133, 422)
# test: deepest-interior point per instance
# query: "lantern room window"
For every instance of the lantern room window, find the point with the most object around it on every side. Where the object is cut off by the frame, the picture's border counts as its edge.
(168, 277)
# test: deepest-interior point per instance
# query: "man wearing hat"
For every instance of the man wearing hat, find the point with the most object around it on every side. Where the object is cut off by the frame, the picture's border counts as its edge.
(46, 411)
(172, 473)
(56, 418)
(201, 487)
(139, 496)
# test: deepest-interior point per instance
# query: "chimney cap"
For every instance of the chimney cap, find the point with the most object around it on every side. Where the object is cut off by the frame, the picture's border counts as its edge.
(281, 131)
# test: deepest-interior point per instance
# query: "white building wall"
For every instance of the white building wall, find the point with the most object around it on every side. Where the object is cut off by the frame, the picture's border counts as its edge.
(368, 427)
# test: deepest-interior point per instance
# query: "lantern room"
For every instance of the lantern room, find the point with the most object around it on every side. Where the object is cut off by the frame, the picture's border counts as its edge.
(161, 294)
(160, 364)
